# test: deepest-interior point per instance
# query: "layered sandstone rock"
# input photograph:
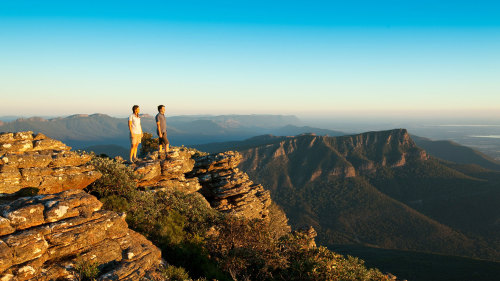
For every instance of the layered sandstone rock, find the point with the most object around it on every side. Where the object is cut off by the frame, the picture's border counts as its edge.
(228, 189)
(28, 160)
(44, 238)
(166, 172)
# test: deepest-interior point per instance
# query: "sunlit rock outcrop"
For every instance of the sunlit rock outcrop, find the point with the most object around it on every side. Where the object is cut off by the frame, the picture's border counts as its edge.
(45, 237)
(228, 189)
(36, 161)
(160, 172)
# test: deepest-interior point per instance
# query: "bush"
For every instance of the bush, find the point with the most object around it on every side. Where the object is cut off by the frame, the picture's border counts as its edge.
(86, 270)
(245, 249)
(115, 203)
(177, 223)
(148, 144)
(117, 178)
(172, 273)
(248, 251)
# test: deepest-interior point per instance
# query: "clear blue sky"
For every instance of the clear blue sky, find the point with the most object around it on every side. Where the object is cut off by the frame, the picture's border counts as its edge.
(309, 58)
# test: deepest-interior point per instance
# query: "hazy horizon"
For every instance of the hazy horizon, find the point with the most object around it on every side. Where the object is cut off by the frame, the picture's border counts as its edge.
(480, 134)
(438, 120)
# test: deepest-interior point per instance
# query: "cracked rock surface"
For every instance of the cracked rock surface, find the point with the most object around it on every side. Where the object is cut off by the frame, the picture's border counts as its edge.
(228, 189)
(43, 238)
(36, 161)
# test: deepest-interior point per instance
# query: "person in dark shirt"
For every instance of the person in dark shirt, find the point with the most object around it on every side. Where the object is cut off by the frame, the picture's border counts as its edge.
(161, 125)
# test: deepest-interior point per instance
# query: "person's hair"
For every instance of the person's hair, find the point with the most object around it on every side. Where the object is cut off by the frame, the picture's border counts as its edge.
(160, 106)
(134, 108)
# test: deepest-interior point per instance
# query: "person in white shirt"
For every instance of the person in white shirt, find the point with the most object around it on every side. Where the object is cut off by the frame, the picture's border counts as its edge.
(134, 126)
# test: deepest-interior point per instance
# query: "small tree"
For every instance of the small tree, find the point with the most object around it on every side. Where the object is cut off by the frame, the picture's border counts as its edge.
(148, 144)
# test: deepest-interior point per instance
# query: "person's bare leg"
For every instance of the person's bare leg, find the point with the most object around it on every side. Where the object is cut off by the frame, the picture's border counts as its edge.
(166, 147)
(135, 151)
(131, 152)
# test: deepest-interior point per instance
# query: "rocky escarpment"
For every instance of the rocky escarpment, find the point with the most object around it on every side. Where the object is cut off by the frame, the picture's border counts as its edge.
(392, 148)
(28, 160)
(228, 189)
(346, 156)
(46, 237)
(216, 176)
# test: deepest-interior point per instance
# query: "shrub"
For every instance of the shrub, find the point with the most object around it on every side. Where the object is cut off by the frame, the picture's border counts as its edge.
(148, 144)
(86, 270)
(319, 263)
(115, 203)
(245, 249)
(177, 223)
(117, 178)
(248, 251)
(172, 273)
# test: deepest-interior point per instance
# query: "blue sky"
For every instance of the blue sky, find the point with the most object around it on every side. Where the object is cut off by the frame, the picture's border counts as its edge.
(309, 58)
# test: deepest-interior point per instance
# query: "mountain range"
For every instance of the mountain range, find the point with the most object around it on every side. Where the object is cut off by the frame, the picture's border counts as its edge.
(376, 190)
(454, 152)
(83, 130)
(381, 190)
(454, 191)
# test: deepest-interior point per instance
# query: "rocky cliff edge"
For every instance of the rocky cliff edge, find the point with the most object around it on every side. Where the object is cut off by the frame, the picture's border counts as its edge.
(36, 161)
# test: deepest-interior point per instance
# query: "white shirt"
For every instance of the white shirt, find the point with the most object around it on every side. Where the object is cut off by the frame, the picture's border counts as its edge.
(136, 124)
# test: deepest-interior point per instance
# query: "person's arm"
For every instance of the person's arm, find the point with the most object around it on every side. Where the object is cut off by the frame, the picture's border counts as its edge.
(142, 133)
(158, 126)
(130, 126)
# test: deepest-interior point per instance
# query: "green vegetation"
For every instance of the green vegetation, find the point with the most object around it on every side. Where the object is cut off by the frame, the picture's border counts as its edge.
(248, 252)
(148, 144)
(200, 242)
(174, 273)
(117, 179)
(86, 270)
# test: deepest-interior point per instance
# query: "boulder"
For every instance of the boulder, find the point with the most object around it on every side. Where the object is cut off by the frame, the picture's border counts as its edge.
(44, 237)
(228, 189)
(167, 171)
(36, 161)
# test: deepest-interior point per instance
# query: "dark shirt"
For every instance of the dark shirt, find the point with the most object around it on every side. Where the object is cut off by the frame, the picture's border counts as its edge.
(163, 122)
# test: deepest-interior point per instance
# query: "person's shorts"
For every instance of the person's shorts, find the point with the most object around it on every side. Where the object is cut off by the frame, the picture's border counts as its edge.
(163, 139)
(135, 139)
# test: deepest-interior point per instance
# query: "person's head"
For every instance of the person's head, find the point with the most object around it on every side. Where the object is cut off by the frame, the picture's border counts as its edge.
(135, 109)
(161, 108)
